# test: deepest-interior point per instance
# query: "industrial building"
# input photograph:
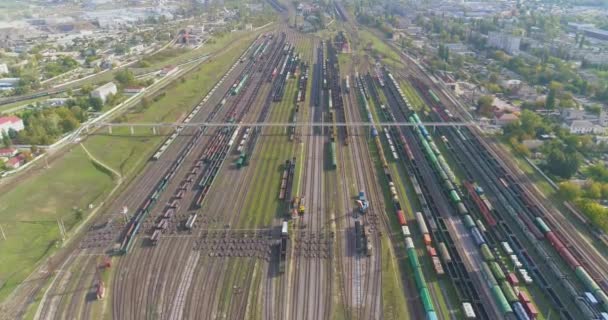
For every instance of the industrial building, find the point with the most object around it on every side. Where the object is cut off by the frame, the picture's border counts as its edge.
(104, 91)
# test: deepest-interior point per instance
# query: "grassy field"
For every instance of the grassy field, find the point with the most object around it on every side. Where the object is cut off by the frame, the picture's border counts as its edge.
(263, 205)
(379, 48)
(28, 212)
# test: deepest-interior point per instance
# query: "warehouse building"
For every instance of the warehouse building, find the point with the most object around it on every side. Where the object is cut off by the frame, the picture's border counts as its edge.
(104, 91)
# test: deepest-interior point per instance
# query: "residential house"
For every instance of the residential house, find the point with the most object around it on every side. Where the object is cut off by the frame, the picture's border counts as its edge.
(11, 122)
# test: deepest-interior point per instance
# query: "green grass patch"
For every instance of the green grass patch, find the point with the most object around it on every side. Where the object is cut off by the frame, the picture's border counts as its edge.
(28, 212)
(262, 203)
(378, 48)
(21, 103)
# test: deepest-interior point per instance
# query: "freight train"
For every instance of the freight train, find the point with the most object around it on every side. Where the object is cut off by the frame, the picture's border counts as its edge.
(283, 246)
(579, 271)
(438, 163)
(421, 285)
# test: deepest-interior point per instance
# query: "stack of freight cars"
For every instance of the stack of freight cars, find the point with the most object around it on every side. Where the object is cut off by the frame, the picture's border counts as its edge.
(417, 170)
(581, 273)
(421, 284)
(135, 222)
(290, 63)
(362, 242)
(302, 82)
(287, 179)
(333, 162)
(283, 246)
(481, 201)
(525, 212)
(438, 163)
(374, 95)
(294, 121)
(190, 116)
(502, 292)
(218, 155)
(424, 230)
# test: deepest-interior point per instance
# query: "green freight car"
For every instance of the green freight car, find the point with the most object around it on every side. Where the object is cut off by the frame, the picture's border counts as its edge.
(508, 291)
(454, 196)
(468, 222)
(501, 300)
(542, 225)
(585, 278)
(487, 274)
(486, 253)
(434, 96)
(425, 296)
(242, 160)
(419, 277)
(497, 271)
(411, 254)
(332, 155)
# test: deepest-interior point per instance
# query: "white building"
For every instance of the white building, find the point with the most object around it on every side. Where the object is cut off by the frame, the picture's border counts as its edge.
(3, 68)
(9, 83)
(11, 122)
(585, 127)
(104, 91)
(508, 43)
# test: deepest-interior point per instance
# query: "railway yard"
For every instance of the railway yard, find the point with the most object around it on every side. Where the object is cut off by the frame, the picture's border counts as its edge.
(327, 222)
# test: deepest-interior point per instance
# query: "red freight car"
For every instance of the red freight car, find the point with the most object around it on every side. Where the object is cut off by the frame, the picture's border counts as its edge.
(531, 310)
(570, 259)
(554, 240)
(401, 218)
(512, 278)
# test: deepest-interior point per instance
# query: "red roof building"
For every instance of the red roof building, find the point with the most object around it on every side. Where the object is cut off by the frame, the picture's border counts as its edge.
(8, 152)
(15, 162)
(11, 122)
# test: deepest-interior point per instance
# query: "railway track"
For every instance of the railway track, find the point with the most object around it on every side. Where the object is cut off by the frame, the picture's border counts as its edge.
(178, 249)
(312, 275)
(550, 277)
(365, 177)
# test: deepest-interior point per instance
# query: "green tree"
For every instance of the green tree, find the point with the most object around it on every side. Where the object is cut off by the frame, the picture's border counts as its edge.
(562, 164)
(550, 102)
(485, 106)
(125, 77)
(594, 190)
(96, 103)
(6, 140)
(569, 191)
(597, 172)
(595, 212)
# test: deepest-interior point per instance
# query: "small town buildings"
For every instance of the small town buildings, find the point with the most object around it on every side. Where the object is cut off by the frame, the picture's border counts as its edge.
(503, 119)
(168, 70)
(104, 91)
(9, 83)
(133, 90)
(15, 162)
(6, 153)
(584, 127)
(508, 43)
(11, 122)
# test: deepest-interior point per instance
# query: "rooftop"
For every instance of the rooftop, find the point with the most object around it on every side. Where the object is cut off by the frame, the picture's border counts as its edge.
(9, 119)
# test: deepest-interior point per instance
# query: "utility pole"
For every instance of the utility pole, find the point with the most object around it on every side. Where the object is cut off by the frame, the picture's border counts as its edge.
(61, 229)
(125, 213)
